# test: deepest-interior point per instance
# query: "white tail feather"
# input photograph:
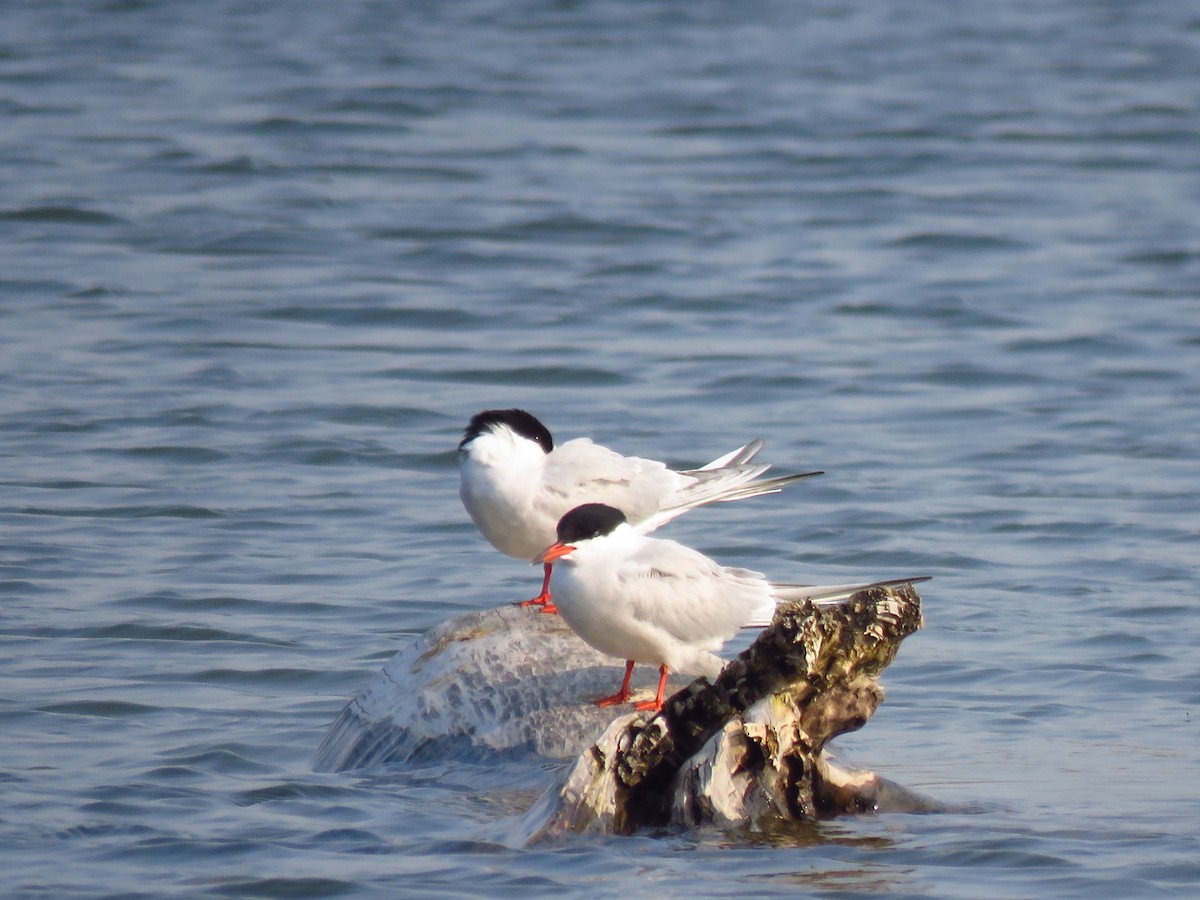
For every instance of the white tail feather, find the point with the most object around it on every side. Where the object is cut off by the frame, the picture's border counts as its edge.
(718, 486)
(738, 457)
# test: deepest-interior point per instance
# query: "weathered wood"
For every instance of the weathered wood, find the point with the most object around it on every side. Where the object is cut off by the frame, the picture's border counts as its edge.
(747, 749)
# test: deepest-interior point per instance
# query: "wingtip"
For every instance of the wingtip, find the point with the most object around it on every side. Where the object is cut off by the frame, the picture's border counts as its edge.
(733, 458)
(744, 455)
(751, 449)
(834, 594)
(773, 485)
(899, 582)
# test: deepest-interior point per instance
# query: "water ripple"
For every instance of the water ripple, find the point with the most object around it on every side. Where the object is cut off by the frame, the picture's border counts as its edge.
(262, 262)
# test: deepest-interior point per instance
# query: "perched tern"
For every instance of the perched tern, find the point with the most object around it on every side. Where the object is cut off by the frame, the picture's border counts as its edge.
(656, 601)
(516, 483)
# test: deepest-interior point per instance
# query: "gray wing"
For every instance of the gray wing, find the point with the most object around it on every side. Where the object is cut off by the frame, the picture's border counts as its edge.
(689, 596)
(580, 471)
(649, 493)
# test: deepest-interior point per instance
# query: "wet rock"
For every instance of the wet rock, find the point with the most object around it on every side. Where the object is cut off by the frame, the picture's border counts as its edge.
(498, 681)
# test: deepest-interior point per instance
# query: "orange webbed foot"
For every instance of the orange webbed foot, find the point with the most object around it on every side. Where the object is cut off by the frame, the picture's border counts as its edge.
(613, 700)
(539, 600)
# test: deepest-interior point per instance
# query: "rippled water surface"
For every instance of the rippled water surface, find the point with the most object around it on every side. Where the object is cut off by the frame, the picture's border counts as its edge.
(260, 262)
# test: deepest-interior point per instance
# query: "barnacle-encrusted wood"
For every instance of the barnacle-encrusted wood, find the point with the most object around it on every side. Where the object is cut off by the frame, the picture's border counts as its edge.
(748, 749)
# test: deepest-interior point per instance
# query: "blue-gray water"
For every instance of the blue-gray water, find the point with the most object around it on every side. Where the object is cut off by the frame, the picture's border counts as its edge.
(259, 263)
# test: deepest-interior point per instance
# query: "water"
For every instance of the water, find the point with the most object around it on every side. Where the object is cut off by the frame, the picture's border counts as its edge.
(258, 264)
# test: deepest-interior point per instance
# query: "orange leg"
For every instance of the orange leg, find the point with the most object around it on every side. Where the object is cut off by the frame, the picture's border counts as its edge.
(621, 695)
(543, 599)
(656, 704)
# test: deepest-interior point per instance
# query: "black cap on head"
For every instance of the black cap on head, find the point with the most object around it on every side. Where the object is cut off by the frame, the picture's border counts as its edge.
(588, 521)
(523, 423)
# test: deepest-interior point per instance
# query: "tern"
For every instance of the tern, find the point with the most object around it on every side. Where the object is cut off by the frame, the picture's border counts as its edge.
(516, 483)
(657, 601)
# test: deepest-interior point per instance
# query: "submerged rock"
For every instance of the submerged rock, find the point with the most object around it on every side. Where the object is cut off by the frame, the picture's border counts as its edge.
(747, 750)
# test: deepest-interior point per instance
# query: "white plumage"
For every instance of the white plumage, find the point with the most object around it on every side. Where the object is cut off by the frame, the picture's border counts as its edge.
(516, 483)
(656, 601)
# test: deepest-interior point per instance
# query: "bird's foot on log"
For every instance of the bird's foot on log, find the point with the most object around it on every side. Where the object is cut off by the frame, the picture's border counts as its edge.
(622, 693)
(657, 703)
(614, 700)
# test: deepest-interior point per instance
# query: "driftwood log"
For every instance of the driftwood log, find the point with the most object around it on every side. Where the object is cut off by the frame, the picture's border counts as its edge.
(747, 750)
